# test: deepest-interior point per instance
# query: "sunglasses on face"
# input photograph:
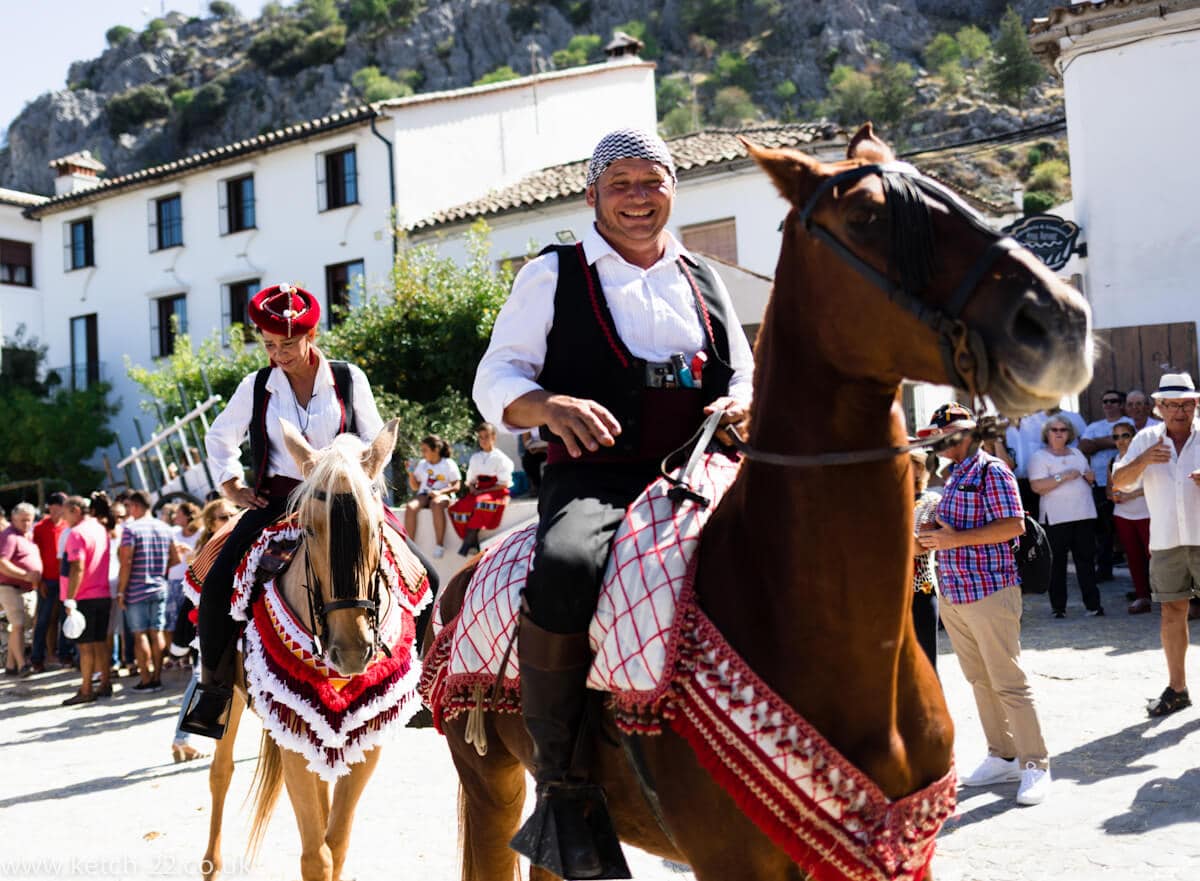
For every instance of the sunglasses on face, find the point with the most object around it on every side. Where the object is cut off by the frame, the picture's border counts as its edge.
(1058, 431)
(1177, 405)
(1122, 437)
(1110, 401)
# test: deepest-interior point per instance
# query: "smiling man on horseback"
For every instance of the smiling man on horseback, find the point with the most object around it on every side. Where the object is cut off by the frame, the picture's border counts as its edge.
(615, 347)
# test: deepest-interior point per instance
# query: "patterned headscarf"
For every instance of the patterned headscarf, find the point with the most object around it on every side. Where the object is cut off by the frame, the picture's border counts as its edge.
(628, 143)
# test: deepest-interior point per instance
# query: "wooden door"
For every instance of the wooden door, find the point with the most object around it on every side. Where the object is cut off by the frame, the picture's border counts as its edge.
(1137, 357)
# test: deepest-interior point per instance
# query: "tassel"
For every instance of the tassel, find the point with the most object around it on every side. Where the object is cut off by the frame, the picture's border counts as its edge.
(476, 733)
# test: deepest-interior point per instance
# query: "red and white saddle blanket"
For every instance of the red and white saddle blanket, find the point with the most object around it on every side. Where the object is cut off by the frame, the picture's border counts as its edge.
(666, 664)
(306, 705)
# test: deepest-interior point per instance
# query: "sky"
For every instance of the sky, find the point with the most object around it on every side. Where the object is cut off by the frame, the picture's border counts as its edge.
(42, 37)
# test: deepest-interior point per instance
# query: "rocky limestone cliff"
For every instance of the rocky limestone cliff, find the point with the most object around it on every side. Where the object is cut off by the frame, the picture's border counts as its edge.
(447, 44)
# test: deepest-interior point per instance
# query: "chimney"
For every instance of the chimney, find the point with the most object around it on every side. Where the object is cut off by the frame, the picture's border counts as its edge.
(79, 171)
(623, 45)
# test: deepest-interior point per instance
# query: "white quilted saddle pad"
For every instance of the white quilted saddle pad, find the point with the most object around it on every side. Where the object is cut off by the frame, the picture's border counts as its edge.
(630, 634)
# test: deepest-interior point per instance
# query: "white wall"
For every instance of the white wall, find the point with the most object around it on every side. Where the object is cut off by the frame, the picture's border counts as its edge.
(292, 242)
(453, 150)
(1137, 205)
(20, 305)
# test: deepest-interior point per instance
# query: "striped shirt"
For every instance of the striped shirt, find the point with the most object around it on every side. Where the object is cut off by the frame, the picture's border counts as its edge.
(968, 574)
(150, 539)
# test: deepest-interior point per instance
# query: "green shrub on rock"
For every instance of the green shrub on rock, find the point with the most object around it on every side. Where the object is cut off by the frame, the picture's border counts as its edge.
(117, 34)
(135, 106)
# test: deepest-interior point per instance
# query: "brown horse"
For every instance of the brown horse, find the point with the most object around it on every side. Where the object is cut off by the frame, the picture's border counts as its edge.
(806, 571)
(344, 468)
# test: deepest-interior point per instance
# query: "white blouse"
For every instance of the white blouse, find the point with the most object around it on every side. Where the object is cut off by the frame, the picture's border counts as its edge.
(319, 421)
(654, 311)
(1072, 499)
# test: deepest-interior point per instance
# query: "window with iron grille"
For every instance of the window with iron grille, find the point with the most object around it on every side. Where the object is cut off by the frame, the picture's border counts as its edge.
(16, 263)
(166, 223)
(168, 319)
(344, 288)
(78, 244)
(238, 204)
(337, 179)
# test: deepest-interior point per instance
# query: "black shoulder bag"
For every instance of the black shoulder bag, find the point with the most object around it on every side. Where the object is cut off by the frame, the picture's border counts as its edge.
(1031, 551)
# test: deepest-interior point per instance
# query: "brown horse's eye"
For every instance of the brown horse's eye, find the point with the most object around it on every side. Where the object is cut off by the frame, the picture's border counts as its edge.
(864, 220)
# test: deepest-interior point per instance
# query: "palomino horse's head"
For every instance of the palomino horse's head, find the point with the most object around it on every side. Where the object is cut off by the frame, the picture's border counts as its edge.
(340, 508)
(968, 307)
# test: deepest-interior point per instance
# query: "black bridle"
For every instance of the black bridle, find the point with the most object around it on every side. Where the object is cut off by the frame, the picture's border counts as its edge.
(312, 586)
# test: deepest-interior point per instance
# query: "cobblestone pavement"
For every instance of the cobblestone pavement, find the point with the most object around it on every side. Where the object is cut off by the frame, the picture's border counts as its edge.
(92, 793)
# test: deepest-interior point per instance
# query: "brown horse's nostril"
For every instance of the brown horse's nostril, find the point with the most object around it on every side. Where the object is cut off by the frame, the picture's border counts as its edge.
(1031, 325)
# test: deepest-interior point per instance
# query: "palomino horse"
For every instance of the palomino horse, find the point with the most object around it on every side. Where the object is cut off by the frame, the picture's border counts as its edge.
(806, 571)
(342, 568)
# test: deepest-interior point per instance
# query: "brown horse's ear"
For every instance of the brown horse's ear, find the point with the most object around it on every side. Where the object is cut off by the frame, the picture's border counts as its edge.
(377, 454)
(865, 145)
(790, 170)
(298, 447)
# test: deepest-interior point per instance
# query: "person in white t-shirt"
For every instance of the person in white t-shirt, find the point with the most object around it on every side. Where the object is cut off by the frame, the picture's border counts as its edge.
(1097, 444)
(1164, 460)
(435, 478)
(489, 475)
(1060, 475)
(1131, 520)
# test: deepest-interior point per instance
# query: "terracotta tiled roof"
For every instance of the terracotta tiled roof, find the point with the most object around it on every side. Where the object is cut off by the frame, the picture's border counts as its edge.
(1091, 16)
(218, 155)
(692, 153)
(16, 197)
(82, 159)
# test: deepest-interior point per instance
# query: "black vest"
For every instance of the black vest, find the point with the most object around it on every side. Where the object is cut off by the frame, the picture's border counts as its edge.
(260, 447)
(585, 358)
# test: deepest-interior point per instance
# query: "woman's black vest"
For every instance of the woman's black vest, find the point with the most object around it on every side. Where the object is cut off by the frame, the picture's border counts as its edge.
(260, 446)
(586, 358)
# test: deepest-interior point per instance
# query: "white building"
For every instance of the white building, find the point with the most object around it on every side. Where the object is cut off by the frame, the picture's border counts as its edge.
(20, 285)
(118, 263)
(1131, 69)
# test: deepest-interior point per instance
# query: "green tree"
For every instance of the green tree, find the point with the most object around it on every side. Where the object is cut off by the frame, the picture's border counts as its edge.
(732, 69)
(678, 121)
(581, 49)
(849, 95)
(785, 91)
(1049, 176)
(135, 106)
(50, 432)
(499, 75)
(1013, 69)
(1037, 202)
(973, 44)
(732, 107)
(672, 92)
(712, 18)
(153, 33)
(952, 76)
(636, 28)
(205, 106)
(317, 15)
(222, 9)
(941, 50)
(375, 86)
(893, 92)
(117, 34)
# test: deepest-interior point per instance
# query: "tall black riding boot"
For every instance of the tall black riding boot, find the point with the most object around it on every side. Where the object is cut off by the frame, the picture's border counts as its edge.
(570, 832)
(207, 712)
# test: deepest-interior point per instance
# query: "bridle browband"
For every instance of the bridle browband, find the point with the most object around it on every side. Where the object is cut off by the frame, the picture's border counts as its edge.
(312, 589)
(963, 352)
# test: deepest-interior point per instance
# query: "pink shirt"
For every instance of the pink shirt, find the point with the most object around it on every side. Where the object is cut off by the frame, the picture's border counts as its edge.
(88, 544)
(19, 549)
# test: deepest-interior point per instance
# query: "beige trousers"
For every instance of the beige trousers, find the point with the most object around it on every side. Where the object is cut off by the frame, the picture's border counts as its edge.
(986, 636)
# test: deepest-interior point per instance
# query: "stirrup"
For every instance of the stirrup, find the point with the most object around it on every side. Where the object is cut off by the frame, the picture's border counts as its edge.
(570, 834)
(207, 712)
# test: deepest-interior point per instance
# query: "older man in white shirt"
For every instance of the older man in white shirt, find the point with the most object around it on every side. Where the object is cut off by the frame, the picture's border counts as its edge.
(1164, 460)
(617, 346)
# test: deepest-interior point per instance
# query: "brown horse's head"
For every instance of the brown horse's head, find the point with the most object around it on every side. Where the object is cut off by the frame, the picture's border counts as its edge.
(893, 276)
(340, 509)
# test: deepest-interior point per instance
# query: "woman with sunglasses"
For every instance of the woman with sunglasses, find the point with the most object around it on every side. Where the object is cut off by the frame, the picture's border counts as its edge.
(1131, 518)
(1060, 474)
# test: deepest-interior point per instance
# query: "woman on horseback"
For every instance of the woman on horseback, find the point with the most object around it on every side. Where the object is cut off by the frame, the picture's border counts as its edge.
(322, 399)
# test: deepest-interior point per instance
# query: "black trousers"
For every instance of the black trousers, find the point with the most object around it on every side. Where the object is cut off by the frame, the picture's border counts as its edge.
(1104, 531)
(216, 629)
(1078, 537)
(579, 510)
(1030, 501)
(925, 621)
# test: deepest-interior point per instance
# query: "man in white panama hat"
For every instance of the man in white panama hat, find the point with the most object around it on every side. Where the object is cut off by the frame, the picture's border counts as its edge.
(1164, 460)
(615, 347)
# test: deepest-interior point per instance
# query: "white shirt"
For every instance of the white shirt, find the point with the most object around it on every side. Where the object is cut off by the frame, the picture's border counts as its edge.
(179, 570)
(435, 476)
(319, 421)
(1031, 433)
(1102, 428)
(1071, 500)
(1173, 498)
(654, 311)
(493, 464)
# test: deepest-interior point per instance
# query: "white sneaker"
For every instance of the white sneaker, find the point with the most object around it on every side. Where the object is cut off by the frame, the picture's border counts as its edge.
(1035, 785)
(993, 770)
(439, 551)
